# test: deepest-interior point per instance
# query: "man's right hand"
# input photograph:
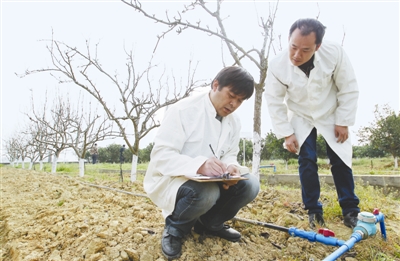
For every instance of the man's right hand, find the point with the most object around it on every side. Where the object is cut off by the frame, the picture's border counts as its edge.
(291, 144)
(212, 167)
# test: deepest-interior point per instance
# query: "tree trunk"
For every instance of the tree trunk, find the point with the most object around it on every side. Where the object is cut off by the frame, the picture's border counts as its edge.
(81, 167)
(54, 164)
(134, 168)
(256, 154)
(257, 130)
(30, 165)
(396, 163)
(41, 165)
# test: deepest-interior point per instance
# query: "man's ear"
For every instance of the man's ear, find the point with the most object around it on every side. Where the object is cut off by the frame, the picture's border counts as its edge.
(215, 85)
(318, 46)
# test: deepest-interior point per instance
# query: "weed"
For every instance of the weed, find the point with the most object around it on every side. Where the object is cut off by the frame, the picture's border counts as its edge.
(64, 168)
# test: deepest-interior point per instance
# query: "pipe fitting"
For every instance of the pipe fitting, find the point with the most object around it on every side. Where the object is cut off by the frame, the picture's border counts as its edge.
(366, 224)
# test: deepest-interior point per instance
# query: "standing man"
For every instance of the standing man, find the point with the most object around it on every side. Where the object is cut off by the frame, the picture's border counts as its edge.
(311, 87)
(121, 154)
(200, 135)
(94, 152)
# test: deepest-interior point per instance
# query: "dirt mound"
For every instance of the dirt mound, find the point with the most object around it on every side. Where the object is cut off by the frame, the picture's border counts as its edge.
(55, 217)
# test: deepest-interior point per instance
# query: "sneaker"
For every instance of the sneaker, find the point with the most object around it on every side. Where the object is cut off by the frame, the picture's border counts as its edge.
(350, 219)
(171, 246)
(316, 218)
(226, 232)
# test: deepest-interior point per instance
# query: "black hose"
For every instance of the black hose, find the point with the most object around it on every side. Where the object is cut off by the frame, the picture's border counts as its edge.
(268, 225)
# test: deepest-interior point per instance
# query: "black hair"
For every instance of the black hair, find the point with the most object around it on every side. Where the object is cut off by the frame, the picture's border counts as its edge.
(237, 79)
(307, 26)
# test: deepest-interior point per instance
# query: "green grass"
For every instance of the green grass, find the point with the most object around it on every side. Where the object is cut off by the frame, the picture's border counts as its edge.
(361, 166)
(109, 171)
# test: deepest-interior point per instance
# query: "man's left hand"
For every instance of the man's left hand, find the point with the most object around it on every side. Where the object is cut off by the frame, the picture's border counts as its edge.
(341, 133)
(233, 172)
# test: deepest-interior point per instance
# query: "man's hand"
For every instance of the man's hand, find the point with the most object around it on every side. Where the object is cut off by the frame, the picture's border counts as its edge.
(291, 144)
(341, 133)
(212, 167)
(233, 172)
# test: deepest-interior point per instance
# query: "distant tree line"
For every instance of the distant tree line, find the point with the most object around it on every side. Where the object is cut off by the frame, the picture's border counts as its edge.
(112, 154)
(272, 150)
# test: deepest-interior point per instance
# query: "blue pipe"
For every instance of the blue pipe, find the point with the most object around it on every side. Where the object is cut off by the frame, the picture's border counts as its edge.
(355, 237)
(315, 237)
(381, 219)
(365, 227)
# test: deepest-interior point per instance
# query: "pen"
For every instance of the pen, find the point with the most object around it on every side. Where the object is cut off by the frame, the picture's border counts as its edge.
(226, 175)
(212, 151)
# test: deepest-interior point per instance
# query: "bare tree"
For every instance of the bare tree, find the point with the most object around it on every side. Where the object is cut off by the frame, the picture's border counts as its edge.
(87, 128)
(139, 101)
(21, 145)
(11, 150)
(35, 150)
(66, 127)
(53, 128)
(183, 20)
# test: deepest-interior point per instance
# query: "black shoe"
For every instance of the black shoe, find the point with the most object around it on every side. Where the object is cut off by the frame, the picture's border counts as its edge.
(350, 219)
(316, 218)
(171, 246)
(226, 232)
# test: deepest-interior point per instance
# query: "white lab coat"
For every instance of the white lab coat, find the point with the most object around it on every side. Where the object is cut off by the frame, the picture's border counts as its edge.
(328, 97)
(181, 146)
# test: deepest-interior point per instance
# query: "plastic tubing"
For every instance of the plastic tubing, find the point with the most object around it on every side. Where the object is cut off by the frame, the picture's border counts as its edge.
(315, 237)
(355, 237)
(381, 219)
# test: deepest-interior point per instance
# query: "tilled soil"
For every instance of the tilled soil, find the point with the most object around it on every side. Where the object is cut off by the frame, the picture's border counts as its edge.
(55, 217)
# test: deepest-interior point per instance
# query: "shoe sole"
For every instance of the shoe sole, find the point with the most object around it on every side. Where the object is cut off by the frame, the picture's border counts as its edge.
(171, 257)
(210, 233)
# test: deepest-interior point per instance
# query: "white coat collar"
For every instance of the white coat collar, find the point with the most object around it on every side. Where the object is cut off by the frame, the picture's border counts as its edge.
(226, 123)
(298, 71)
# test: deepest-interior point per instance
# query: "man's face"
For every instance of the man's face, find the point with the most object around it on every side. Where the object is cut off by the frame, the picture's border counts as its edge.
(301, 47)
(225, 101)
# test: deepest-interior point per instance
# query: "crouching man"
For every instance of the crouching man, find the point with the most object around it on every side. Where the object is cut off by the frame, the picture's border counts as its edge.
(200, 135)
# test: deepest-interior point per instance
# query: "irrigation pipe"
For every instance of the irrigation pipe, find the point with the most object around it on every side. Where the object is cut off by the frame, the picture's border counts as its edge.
(268, 225)
(113, 189)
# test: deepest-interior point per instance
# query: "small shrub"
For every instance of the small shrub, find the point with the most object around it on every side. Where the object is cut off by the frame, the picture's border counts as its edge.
(292, 162)
(361, 162)
(64, 168)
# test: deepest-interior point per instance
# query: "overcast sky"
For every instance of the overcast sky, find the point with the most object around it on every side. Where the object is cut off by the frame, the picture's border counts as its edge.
(371, 41)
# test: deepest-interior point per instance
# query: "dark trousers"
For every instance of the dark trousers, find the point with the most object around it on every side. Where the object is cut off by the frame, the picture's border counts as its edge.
(210, 203)
(310, 186)
(94, 158)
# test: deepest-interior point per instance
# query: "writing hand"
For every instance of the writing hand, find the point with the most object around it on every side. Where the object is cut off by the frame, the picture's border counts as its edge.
(212, 167)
